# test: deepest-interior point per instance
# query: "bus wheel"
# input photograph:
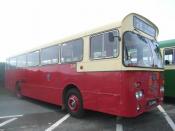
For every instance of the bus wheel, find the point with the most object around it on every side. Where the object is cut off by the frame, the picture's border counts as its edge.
(74, 103)
(18, 91)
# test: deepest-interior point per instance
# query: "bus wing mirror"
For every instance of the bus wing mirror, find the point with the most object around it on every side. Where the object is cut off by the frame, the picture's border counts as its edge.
(111, 36)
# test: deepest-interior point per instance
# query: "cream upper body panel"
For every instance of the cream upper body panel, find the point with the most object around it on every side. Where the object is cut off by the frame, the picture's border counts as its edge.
(124, 25)
(113, 64)
(127, 25)
(107, 64)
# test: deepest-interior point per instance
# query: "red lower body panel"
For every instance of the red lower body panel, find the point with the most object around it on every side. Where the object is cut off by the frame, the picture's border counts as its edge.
(109, 92)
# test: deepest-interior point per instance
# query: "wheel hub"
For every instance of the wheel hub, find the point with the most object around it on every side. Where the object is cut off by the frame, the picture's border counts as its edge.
(73, 103)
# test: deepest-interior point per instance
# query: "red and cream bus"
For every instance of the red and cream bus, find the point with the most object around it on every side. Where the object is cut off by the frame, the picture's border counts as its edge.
(115, 69)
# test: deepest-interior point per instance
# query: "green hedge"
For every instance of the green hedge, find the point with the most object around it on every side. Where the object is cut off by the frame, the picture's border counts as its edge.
(2, 73)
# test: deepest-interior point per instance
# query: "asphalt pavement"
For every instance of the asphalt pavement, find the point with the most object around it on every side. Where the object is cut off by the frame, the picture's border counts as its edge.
(32, 115)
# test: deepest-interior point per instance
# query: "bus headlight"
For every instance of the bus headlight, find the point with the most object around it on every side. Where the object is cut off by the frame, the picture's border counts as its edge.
(139, 94)
(162, 89)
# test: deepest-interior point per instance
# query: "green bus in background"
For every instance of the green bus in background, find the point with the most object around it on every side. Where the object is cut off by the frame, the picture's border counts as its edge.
(168, 52)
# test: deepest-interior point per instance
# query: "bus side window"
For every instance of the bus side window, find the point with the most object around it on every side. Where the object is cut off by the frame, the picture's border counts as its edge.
(21, 61)
(12, 62)
(103, 46)
(72, 51)
(49, 55)
(169, 56)
(33, 58)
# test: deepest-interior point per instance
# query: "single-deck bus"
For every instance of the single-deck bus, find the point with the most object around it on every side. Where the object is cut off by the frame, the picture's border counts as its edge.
(168, 51)
(115, 69)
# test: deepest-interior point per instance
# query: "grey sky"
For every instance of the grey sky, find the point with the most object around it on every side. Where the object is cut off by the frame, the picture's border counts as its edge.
(25, 24)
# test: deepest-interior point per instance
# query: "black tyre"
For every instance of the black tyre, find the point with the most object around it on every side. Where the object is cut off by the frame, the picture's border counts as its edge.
(74, 103)
(18, 91)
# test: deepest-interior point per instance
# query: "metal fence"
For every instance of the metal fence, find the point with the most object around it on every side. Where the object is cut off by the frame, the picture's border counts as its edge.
(2, 74)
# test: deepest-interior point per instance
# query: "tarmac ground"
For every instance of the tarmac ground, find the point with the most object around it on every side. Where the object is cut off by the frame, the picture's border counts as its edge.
(32, 115)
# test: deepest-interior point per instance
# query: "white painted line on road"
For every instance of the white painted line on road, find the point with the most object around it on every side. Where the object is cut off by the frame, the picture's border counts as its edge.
(119, 126)
(2, 117)
(58, 123)
(167, 117)
(8, 121)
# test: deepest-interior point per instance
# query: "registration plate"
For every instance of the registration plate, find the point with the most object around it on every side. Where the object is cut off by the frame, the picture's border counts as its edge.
(152, 102)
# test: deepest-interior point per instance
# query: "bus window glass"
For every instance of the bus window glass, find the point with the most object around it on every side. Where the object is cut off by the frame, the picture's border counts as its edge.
(21, 61)
(169, 56)
(96, 46)
(136, 51)
(104, 45)
(12, 62)
(50, 55)
(140, 51)
(33, 58)
(72, 51)
(7, 65)
(157, 57)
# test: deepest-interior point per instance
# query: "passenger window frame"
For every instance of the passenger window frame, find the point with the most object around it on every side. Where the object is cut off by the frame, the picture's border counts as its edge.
(13, 66)
(67, 43)
(102, 33)
(168, 48)
(58, 57)
(39, 58)
(25, 61)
